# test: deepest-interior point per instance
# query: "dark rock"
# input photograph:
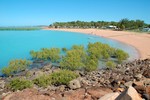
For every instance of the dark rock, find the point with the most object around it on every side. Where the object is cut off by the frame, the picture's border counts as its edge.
(129, 94)
(146, 73)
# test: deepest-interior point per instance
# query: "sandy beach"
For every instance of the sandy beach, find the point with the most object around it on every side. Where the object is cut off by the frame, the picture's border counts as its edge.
(140, 41)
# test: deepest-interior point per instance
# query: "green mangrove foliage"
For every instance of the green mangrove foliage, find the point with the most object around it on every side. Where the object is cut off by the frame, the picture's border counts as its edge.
(52, 54)
(110, 64)
(19, 84)
(15, 66)
(72, 60)
(78, 58)
(121, 55)
(43, 81)
(91, 64)
(62, 77)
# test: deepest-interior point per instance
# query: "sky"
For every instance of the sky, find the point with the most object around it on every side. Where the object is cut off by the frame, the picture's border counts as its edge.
(45, 12)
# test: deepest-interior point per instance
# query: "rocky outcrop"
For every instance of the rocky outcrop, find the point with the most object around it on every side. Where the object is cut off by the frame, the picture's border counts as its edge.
(110, 96)
(94, 85)
(129, 94)
(74, 84)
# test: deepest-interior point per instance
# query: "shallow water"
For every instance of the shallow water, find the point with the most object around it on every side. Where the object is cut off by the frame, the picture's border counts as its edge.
(18, 44)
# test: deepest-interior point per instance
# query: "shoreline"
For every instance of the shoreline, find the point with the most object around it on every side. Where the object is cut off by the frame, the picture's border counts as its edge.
(138, 41)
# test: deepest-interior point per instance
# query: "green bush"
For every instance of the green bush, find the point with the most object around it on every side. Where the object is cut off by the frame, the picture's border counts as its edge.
(73, 60)
(64, 49)
(15, 66)
(19, 84)
(121, 55)
(52, 54)
(91, 64)
(42, 81)
(63, 77)
(110, 64)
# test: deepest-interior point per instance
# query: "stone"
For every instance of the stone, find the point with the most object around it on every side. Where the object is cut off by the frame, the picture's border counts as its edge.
(2, 84)
(47, 67)
(74, 94)
(148, 90)
(74, 84)
(109, 96)
(127, 84)
(129, 94)
(138, 77)
(147, 82)
(140, 89)
(27, 94)
(97, 92)
(138, 83)
(146, 73)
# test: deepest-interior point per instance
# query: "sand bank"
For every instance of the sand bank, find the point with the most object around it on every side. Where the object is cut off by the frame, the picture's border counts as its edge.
(140, 41)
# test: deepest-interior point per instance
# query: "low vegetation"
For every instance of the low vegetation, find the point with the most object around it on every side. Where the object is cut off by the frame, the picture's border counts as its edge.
(79, 58)
(52, 54)
(19, 84)
(62, 77)
(15, 66)
(110, 64)
(42, 81)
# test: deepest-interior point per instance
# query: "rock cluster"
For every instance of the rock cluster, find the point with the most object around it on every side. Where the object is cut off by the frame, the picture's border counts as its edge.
(130, 81)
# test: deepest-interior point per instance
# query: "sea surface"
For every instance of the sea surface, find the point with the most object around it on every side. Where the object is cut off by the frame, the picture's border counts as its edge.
(18, 44)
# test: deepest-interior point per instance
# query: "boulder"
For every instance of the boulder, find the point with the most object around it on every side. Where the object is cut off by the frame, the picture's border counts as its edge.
(78, 94)
(129, 94)
(138, 77)
(74, 84)
(27, 94)
(97, 92)
(47, 67)
(2, 85)
(146, 73)
(110, 96)
(128, 84)
(147, 82)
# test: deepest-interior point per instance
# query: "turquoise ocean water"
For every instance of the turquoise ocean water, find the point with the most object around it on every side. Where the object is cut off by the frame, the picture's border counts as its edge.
(18, 44)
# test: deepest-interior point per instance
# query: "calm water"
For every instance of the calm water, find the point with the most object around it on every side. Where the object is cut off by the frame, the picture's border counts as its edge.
(18, 44)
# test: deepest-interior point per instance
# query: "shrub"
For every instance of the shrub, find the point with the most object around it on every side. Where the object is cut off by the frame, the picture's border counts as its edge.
(15, 66)
(52, 54)
(121, 55)
(42, 81)
(110, 64)
(91, 64)
(64, 49)
(63, 77)
(19, 84)
(73, 60)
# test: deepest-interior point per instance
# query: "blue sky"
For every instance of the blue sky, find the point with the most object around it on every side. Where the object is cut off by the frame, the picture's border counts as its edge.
(45, 12)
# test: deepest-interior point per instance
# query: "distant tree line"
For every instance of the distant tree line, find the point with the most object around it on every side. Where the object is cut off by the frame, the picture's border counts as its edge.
(19, 28)
(123, 24)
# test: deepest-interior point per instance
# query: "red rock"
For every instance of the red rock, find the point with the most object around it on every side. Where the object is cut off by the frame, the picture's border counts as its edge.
(75, 95)
(97, 92)
(27, 94)
(148, 90)
(129, 94)
(110, 96)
